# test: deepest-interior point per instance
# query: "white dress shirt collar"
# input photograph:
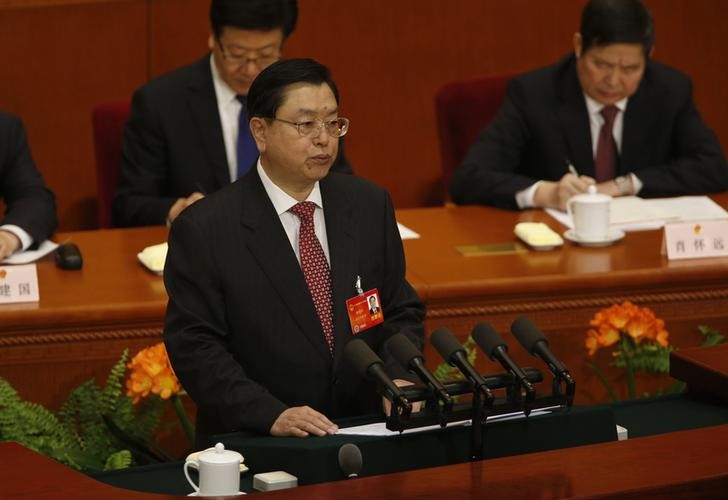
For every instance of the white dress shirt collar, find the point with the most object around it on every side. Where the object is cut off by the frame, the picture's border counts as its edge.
(228, 109)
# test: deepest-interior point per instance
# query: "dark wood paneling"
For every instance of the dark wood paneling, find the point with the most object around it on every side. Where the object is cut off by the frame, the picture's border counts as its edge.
(178, 33)
(58, 61)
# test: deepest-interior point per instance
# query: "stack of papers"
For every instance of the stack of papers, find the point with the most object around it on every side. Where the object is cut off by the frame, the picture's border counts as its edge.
(380, 428)
(630, 213)
(28, 256)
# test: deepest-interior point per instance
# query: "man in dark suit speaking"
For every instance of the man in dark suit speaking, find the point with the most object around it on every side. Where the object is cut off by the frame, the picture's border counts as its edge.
(30, 215)
(184, 139)
(258, 274)
(607, 115)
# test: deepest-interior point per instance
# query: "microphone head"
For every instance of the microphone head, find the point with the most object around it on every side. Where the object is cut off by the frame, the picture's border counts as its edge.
(350, 461)
(446, 343)
(403, 350)
(527, 333)
(488, 339)
(361, 356)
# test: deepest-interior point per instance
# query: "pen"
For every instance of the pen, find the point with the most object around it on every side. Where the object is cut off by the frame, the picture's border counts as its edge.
(572, 169)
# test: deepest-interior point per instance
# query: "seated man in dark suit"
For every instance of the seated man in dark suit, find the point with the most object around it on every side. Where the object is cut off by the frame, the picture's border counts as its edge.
(258, 274)
(183, 138)
(30, 215)
(607, 115)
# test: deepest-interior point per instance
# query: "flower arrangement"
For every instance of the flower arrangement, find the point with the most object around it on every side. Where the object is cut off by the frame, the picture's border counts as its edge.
(151, 372)
(101, 427)
(641, 342)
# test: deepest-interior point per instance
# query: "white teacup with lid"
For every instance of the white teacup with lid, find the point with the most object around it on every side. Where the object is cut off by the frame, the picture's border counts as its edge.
(219, 471)
(590, 213)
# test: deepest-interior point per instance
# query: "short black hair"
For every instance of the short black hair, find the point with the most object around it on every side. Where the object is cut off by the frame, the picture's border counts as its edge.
(266, 92)
(604, 22)
(261, 15)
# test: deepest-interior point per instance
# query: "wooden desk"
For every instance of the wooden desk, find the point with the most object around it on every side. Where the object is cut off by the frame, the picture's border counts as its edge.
(680, 463)
(704, 369)
(559, 290)
(86, 318)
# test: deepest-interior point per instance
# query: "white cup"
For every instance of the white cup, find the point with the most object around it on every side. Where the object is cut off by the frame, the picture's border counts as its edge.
(219, 471)
(590, 214)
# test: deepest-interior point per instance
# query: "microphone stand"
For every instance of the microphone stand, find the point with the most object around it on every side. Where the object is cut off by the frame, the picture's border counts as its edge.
(482, 399)
(566, 397)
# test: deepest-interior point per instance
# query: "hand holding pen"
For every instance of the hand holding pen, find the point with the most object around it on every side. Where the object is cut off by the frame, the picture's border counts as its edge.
(555, 194)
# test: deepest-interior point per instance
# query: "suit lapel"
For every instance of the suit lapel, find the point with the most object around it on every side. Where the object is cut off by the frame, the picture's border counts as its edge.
(203, 106)
(575, 122)
(341, 234)
(270, 247)
(635, 127)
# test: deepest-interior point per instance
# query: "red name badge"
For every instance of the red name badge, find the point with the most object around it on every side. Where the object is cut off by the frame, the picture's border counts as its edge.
(365, 311)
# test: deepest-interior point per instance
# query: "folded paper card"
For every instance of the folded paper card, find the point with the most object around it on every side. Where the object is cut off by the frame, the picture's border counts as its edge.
(538, 235)
(153, 257)
(19, 284)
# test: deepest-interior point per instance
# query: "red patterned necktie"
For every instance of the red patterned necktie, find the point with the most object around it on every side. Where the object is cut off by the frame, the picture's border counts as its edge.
(606, 160)
(315, 269)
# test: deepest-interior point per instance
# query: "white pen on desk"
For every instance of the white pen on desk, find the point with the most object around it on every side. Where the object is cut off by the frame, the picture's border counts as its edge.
(572, 169)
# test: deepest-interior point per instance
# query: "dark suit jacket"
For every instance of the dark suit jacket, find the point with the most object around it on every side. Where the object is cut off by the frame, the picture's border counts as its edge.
(30, 204)
(173, 146)
(241, 328)
(544, 124)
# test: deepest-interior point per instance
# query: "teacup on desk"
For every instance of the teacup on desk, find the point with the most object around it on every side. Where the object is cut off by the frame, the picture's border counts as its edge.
(590, 215)
(219, 471)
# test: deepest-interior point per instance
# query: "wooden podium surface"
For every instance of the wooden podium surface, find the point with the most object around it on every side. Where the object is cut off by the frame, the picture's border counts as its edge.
(86, 318)
(703, 369)
(687, 463)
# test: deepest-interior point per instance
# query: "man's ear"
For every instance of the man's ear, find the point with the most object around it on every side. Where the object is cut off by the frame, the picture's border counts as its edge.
(211, 42)
(577, 44)
(259, 130)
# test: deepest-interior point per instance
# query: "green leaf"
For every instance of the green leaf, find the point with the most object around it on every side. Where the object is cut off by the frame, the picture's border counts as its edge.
(710, 336)
(119, 460)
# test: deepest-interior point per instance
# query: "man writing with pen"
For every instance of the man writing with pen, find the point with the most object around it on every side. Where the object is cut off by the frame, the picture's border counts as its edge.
(606, 115)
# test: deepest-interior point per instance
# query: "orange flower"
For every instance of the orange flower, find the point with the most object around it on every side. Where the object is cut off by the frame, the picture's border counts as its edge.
(639, 323)
(151, 371)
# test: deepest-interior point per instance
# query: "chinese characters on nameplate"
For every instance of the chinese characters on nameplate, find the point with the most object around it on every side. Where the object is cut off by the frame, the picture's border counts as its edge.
(18, 284)
(696, 239)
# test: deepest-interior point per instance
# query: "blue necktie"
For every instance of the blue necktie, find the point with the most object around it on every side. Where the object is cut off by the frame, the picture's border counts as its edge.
(247, 151)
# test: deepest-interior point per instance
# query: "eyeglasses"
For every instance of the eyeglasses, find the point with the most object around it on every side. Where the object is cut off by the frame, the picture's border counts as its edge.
(261, 59)
(335, 128)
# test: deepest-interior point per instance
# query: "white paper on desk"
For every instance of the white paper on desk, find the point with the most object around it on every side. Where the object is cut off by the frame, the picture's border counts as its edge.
(631, 213)
(380, 428)
(406, 233)
(29, 256)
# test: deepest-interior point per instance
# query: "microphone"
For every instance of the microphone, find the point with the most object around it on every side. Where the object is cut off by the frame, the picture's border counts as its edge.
(535, 342)
(370, 366)
(454, 353)
(350, 461)
(411, 358)
(494, 346)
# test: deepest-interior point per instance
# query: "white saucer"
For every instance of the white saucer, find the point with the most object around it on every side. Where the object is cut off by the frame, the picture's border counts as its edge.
(614, 236)
(197, 494)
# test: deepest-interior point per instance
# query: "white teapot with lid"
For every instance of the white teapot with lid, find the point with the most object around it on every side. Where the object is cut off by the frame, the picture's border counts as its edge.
(219, 471)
